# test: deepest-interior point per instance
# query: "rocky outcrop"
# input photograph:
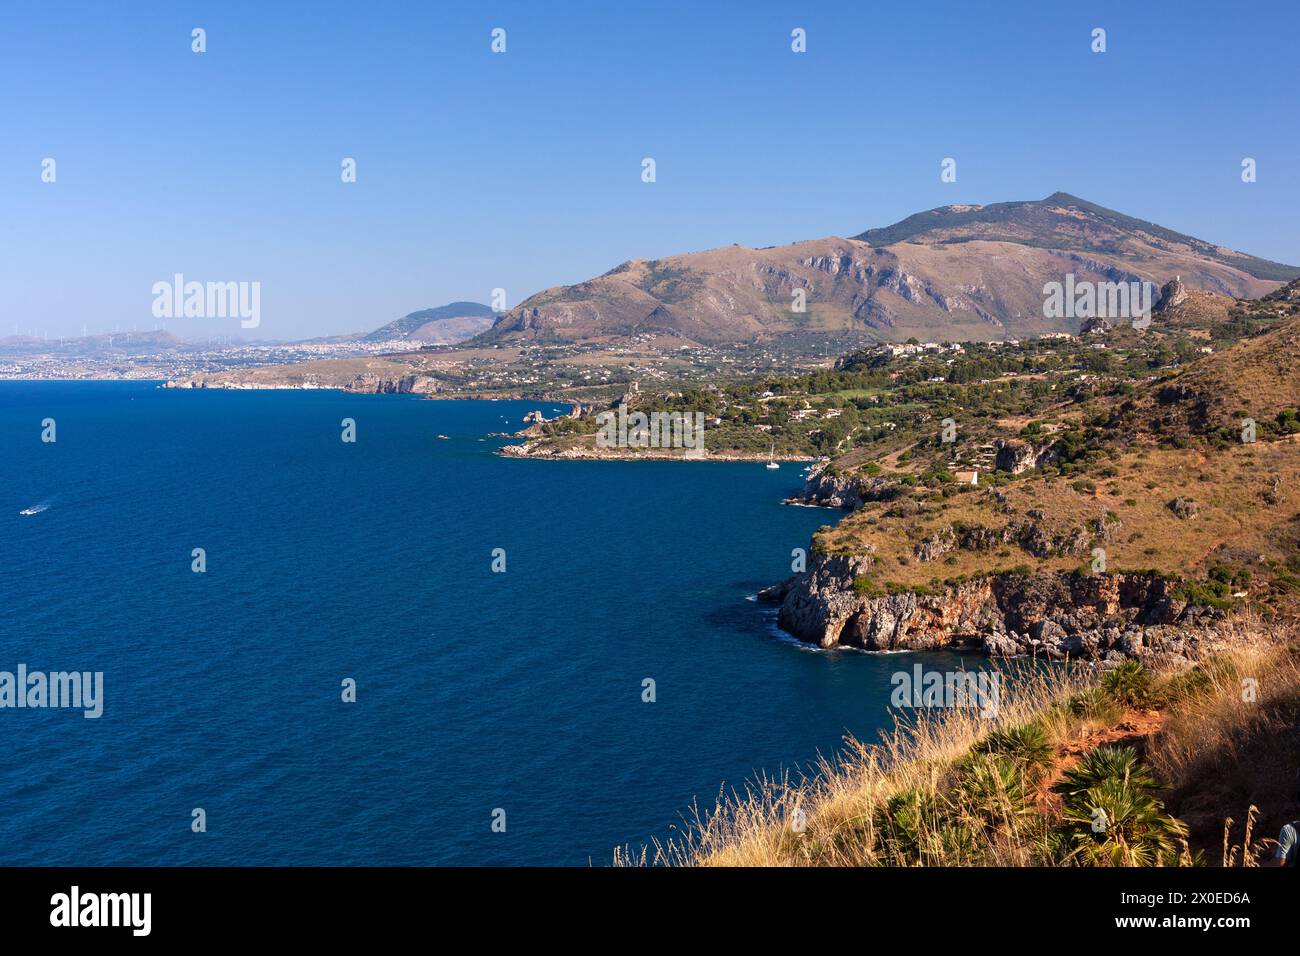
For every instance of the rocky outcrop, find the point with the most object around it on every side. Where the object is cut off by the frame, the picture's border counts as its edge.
(1172, 295)
(823, 607)
(1016, 456)
(1033, 534)
(372, 384)
(849, 492)
(936, 545)
(981, 538)
(1030, 533)
(816, 604)
(1050, 614)
(910, 621)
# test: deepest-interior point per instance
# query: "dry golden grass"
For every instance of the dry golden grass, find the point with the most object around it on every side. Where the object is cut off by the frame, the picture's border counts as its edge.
(1235, 743)
(759, 825)
(1258, 376)
(1246, 496)
(841, 815)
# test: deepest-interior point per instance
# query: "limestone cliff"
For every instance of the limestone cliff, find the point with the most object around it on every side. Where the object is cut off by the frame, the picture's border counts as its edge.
(825, 488)
(370, 383)
(1051, 614)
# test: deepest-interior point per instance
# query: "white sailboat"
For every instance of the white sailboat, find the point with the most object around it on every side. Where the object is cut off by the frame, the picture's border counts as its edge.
(771, 458)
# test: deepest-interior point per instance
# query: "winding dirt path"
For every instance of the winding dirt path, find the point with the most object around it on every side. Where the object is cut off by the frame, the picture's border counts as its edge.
(1137, 726)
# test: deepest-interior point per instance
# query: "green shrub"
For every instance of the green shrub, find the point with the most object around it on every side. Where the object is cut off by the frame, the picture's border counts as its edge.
(1101, 764)
(1129, 684)
(1109, 815)
(1094, 704)
(1025, 745)
(993, 789)
(904, 826)
(1190, 683)
(866, 587)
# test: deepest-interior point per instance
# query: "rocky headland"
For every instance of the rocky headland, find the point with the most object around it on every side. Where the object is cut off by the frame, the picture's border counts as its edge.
(1050, 614)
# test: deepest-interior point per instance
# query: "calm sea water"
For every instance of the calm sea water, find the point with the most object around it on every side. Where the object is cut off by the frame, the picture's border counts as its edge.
(372, 561)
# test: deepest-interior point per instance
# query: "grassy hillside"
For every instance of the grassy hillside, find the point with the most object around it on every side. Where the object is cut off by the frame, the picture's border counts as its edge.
(1181, 768)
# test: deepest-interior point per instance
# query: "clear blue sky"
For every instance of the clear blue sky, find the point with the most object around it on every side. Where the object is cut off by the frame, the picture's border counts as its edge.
(522, 170)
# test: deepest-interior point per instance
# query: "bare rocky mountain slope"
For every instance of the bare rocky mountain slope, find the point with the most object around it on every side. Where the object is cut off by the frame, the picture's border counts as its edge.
(954, 273)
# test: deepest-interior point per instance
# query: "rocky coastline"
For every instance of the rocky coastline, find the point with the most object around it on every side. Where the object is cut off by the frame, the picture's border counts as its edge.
(549, 452)
(421, 385)
(1055, 615)
(1049, 613)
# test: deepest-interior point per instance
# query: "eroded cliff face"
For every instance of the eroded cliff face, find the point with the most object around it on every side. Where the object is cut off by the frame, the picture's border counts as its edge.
(405, 385)
(1053, 614)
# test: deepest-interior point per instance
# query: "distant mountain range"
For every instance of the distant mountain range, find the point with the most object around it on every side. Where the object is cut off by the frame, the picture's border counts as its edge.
(960, 272)
(445, 325)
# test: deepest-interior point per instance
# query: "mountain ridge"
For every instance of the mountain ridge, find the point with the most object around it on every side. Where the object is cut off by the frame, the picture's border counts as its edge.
(962, 272)
(438, 325)
(951, 216)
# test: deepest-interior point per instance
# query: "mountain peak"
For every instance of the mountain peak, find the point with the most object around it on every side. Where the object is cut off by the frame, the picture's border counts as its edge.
(958, 272)
(1065, 199)
(1063, 221)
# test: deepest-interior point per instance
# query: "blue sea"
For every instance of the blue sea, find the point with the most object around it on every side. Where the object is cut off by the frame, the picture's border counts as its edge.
(476, 691)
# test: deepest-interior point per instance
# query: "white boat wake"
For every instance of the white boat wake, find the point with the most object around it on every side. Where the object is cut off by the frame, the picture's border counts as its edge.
(37, 508)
